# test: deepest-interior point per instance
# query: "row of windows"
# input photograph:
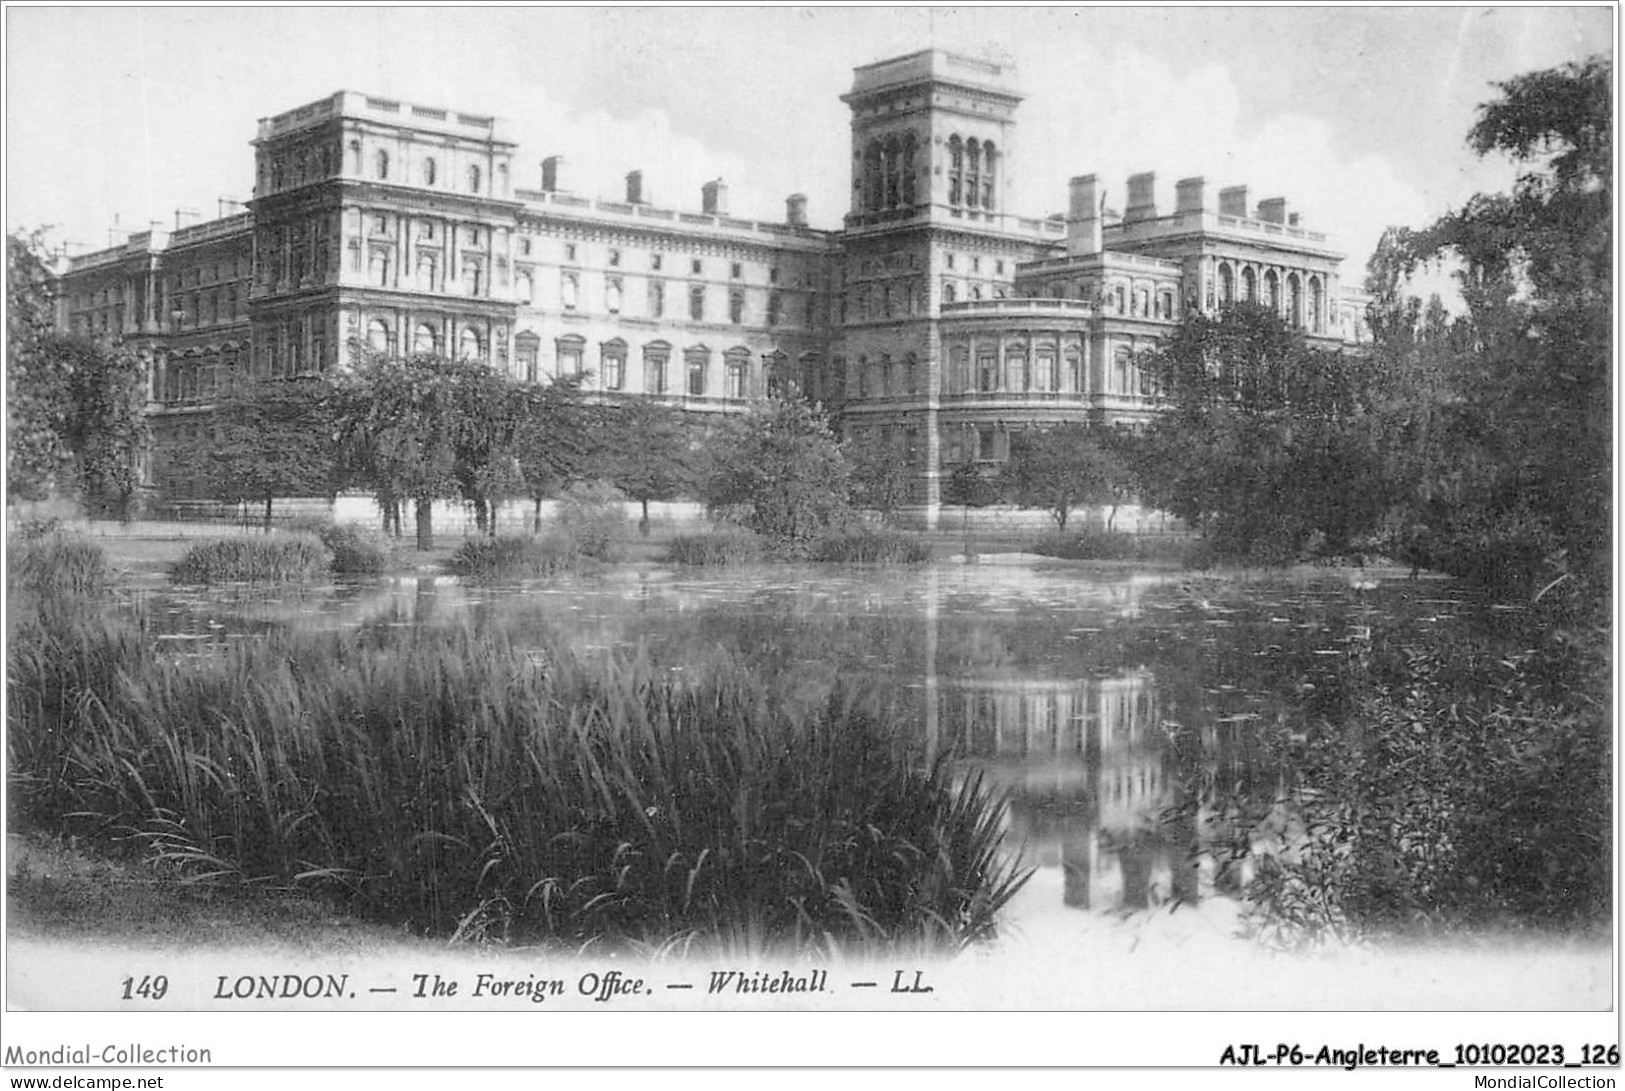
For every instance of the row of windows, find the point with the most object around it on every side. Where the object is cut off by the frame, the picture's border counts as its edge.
(188, 311)
(889, 173)
(179, 380)
(1285, 298)
(971, 171)
(659, 376)
(313, 164)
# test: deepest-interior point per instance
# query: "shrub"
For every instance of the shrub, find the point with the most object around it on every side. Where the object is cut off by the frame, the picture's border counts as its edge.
(1114, 546)
(515, 558)
(870, 546)
(357, 551)
(721, 546)
(461, 785)
(270, 558)
(1448, 785)
(593, 514)
(56, 563)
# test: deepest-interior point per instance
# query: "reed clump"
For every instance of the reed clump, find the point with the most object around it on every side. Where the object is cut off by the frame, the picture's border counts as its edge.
(716, 548)
(267, 558)
(55, 562)
(356, 551)
(517, 557)
(466, 786)
(872, 545)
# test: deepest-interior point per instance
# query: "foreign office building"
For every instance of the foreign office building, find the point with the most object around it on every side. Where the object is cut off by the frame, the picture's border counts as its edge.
(935, 316)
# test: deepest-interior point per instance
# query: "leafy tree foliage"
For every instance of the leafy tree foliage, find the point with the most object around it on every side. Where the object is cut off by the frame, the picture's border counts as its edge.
(105, 426)
(1266, 440)
(268, 438)
(555, 441)
(1060, 468)
(779, 471)
(1520, 493)
(36, 380)
(879, 472)
(647, 451)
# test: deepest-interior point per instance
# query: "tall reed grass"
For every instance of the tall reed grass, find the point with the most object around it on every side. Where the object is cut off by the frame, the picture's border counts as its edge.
(356, 551)
(464, 785)
(870, 545)
(269, 558)
(55, 563)
(719, 547)
(515, 558)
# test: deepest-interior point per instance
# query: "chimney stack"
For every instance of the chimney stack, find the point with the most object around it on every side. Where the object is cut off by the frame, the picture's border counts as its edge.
(1273, 211)
(553, 174)
(634, 187)
(1142, 197)
(1083, 217)
(714, 198)
(1190, 195)
(795, 210)
(1233, 201)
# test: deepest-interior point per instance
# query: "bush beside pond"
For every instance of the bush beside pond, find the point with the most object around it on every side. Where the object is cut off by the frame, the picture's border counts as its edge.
(269, 558)
(356, 551)
(1443, 786)
(718, 547)
(871, 545)
(517, 557)
(1113, 546)
(55, 562)
(468, 787)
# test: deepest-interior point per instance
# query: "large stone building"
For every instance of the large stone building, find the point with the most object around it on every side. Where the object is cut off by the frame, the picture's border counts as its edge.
(936, 314)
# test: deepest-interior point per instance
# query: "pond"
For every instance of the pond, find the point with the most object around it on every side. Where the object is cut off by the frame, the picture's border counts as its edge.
(1108, 703)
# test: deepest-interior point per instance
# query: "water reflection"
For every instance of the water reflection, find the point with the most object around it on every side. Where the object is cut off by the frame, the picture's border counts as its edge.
(1111, 707)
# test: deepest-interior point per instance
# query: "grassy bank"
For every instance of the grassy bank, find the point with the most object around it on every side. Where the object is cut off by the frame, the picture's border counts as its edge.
(467, 787)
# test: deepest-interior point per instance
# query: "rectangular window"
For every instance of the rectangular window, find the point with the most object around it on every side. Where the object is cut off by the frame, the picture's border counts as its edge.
(614, 372)
(984, 444)
(738, 270)
(736, 307)
(655, 261)
(696, 303)
(987, 374)
(657, 299)
(696, 378)
(695, 266)
(654, 373)
(614, 257)
(569, 251)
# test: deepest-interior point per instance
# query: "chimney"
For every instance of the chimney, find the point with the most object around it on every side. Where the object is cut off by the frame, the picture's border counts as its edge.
(1083, 217)
(1190, 195)
(1273, 211)
(634, 187)
(1233, 201)
(1142, 197)
(184, 214)
(795, 210)
(553, 174)
(714, 198)
(1292, 219)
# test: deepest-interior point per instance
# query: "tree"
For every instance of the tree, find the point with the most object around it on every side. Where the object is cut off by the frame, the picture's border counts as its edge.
(647, 451)
(105, 426)
(1264, 441)
(36, 381)
(879, 472)
(1061, 467)
(967, 487)
(269, 438)
(399, 422)
(1523, 497)
(779, 470)
(557, 440)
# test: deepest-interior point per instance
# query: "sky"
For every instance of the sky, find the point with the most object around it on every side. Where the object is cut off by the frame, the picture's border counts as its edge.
(1357, 116)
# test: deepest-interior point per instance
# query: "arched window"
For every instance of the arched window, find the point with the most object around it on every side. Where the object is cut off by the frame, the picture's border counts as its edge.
(956, 170)
(873, 187)
(378, 268)
(737, 377)
(355, 157)
(910, 150)
(428, 267)
(1142, 302)
(1249, 286)
(696, 360)
(1294, 300)
(656, 361)
(1227, 286)
(612, 296)
(425, 340)
(892, 168)
(469, 346)
(429, 171)
(612, 366)
(569, 291)
(1272, 291)
(572, 351)
(1120, 299)
(1317, 304)
(527, 350)
(378, 335)
(987, 174)
(524, 288)
(1167, 305)
(473, 179)
(381, 160)
(973, 172)
(949, 293)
